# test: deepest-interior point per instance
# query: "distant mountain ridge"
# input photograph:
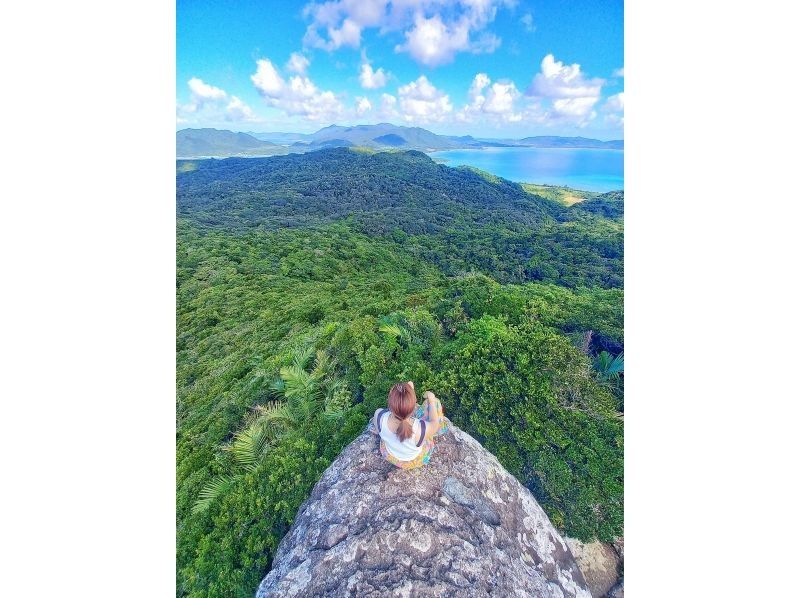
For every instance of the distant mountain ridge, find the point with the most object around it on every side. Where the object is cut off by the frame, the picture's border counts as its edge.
(382, 135)
(577, 142)
(213, 142)
(194, 143)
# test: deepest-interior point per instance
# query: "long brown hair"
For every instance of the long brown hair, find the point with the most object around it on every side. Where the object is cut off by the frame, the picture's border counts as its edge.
(402, 401)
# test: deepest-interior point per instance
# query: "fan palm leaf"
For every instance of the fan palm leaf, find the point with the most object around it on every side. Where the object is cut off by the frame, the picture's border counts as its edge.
(609, 367)
(617, 364)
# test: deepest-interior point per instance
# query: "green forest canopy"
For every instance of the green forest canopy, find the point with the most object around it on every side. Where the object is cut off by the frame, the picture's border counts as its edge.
(318, 280)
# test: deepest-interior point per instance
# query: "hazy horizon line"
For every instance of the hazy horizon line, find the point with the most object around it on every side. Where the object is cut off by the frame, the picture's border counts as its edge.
(262, 132)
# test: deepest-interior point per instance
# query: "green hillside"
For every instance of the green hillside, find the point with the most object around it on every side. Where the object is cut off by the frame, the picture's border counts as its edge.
(194, 143)
(456, 218)
(307, 284)
(565, 195)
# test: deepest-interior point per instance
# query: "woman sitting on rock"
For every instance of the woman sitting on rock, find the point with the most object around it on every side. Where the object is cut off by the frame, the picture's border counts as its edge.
(406, 441)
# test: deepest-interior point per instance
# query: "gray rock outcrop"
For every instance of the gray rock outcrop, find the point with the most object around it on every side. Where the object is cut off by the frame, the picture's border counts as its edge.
(599, 562)
(460, 526)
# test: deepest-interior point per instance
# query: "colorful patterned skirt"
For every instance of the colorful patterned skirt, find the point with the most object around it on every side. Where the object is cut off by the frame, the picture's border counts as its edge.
(431, 411)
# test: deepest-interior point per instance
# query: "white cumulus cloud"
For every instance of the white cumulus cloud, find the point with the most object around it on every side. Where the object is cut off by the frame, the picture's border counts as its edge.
(577, 107)
(480, 81)
(496, 100)
(432, 43)
(297, 97)
(349, 34)
(572, 95)
(372, 79)
(500, 98)
(421, 102)
(203, 92)
(266, 78)
(557, 80)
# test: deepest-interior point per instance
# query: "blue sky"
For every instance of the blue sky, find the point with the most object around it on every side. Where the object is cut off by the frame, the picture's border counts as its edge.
(498, 68)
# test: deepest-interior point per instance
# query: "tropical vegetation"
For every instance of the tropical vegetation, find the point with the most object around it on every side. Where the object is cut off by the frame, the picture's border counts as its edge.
(308, 284)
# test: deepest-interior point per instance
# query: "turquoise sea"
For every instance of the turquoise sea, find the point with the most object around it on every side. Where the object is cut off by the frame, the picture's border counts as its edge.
(586, 169)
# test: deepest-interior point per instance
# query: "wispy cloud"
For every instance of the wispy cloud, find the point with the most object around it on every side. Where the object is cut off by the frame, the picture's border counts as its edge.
(434, 30)
(213, 104)
(614, 109)
(527, 22)
(298, 63)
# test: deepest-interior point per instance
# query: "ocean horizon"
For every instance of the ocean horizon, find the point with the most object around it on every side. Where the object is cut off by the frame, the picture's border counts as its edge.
(585, 169)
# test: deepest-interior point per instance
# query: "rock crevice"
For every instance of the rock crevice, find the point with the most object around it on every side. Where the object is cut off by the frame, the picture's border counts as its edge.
(461, 525)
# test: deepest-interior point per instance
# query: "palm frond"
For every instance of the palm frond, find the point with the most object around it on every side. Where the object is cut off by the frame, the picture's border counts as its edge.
(211, 492)
(299, 383)
(278, 387)
(295, 379)
(265, 424)
(303, 407)
(302, 355)
(323, 364)
(250, 444)
(391, 330)
(272, 412)
(333, 386)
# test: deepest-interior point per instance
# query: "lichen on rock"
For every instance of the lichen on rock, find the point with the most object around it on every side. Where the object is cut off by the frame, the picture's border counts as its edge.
(461, 525)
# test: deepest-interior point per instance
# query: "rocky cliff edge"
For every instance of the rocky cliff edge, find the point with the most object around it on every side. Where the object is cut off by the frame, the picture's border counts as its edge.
(460, 526)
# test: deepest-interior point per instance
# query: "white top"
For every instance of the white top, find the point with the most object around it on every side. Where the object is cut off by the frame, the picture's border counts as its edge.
(402, 451)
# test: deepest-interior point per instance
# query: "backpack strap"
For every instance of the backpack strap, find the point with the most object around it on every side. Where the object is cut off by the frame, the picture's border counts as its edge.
(421, 432)
(381, 413)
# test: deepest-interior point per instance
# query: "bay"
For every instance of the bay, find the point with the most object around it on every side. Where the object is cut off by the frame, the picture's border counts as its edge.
(585, 169)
